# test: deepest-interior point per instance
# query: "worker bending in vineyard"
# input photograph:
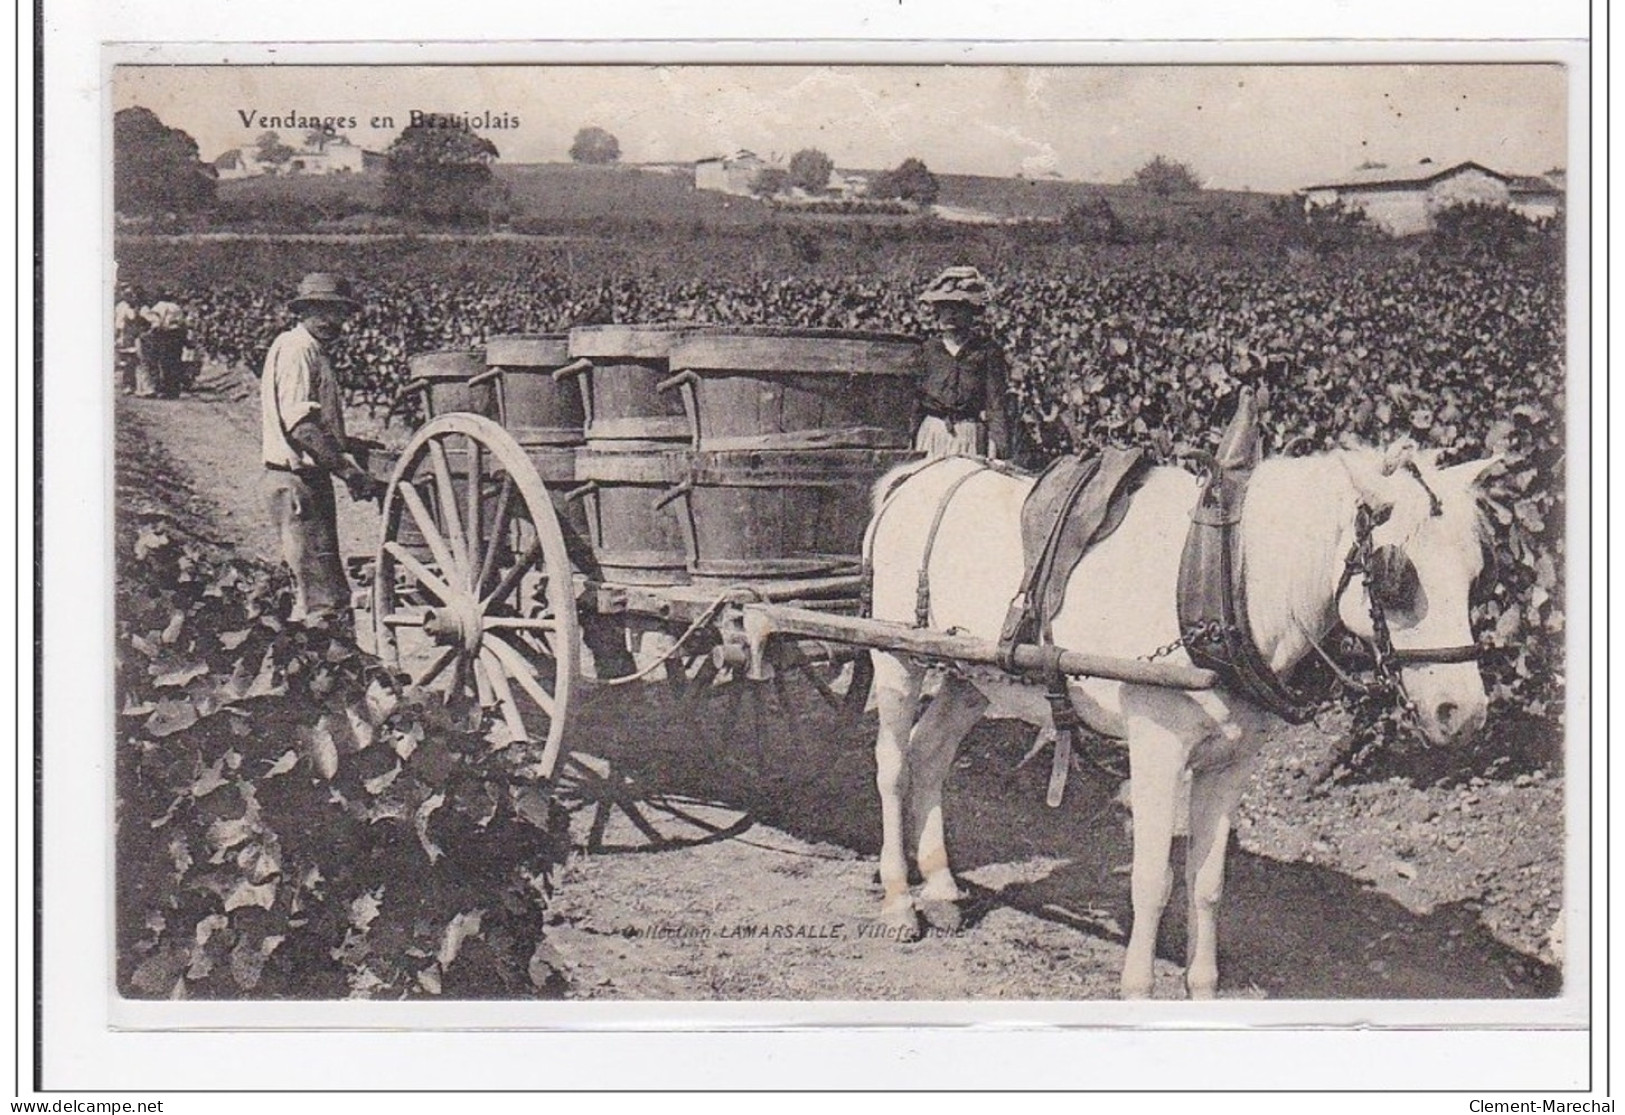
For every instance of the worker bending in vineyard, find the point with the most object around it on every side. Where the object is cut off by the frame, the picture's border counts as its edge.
(303, 442)
(964, 402)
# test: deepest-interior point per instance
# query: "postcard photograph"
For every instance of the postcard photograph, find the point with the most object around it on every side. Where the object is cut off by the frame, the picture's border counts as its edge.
(1017, 533)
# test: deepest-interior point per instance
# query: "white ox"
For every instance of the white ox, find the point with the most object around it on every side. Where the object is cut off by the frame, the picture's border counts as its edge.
(1298, 528)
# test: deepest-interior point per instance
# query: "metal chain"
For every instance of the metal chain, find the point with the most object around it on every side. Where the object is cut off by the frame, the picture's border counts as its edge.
(1164, 651)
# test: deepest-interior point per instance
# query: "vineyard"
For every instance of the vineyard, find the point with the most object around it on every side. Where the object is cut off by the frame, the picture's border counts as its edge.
(1136, 345)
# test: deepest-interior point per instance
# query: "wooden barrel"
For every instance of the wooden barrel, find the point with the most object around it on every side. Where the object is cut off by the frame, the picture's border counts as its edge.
(633, 541)
(534, 408)
(768, 388)
(753, 515)
(622, 367)
(444, 376)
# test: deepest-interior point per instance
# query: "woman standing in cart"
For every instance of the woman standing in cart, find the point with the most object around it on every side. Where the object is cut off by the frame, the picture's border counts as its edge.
(964, 403)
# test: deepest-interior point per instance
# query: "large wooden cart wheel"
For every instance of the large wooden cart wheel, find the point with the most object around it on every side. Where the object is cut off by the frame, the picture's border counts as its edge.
(474, 597)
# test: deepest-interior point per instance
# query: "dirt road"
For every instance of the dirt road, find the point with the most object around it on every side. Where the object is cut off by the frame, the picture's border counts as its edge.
(725, 844)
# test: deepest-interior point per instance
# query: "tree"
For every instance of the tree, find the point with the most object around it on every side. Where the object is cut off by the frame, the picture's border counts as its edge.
(1164, 177)
(810, 169)
(769, 181)
(441, 173)
(156, 168)
(271, 150)
(595, 146)
(1092, 221)
(911, 181)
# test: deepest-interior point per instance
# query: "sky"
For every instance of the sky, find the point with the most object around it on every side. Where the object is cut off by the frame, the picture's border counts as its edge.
(1272, 128)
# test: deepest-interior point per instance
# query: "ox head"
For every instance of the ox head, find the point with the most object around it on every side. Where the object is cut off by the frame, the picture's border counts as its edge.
(1426, 548)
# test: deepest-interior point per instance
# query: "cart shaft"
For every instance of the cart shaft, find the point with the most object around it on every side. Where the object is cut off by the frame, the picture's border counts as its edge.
(766, 619)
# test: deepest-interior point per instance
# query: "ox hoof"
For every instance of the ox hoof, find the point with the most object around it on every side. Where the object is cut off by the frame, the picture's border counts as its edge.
(1134, 990)
(900, 921)
(941, 914)
(1201, 990)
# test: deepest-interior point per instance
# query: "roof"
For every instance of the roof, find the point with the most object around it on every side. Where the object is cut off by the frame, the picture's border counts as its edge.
(739, 156)
(1537, 184)
(1424, 173)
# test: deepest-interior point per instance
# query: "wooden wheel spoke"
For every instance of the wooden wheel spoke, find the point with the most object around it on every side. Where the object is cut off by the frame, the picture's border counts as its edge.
(521, 623)
(459, 678)
(497, 673)
(471, 517)
(448, 502)
(499, 529)
(510, 580)
(540, 642)
(482, 683)
(684, 815)
(821, 687)
(521, 672)
(403, 619)
(415, 567)
(435, 669)
(428, 527)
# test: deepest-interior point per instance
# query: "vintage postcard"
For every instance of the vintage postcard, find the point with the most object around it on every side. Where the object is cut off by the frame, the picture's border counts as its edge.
(1049, 541)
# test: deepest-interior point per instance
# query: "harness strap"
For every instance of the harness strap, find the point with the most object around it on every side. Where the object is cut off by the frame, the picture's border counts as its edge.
(867, 588)
(922, 590)
(1427, 656)
(1212, 598)
(1024, 620)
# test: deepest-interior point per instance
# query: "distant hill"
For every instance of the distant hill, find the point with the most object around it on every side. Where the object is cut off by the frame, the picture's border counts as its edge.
(1048, 197)
(572, 192)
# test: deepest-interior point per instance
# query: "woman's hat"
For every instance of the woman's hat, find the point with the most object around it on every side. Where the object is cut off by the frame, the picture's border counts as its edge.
(319, 288)
(959, 284)
(166, 315)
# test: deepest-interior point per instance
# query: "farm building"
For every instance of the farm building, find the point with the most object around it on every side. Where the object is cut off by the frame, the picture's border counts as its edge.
(729, 174)
(1403, 200)
(336, 155)
(847, 184)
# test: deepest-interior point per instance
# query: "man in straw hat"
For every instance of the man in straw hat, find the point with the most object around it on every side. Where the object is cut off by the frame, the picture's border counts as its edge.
(303, 442)
(963, 400)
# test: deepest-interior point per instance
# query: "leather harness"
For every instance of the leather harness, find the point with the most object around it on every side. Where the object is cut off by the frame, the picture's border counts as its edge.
(1082, 503)
(1212, 602)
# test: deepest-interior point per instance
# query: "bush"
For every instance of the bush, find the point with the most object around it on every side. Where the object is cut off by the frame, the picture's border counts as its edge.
(911, 181)
(291, 823)
(156, 169)
(441, 174)
(1165, 177)
(1477, 232)
(770, 181)
(1093, 221)
(810, 169)
(595, 146)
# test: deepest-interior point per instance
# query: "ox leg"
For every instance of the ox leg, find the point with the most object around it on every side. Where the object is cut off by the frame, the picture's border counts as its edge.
(897, 700)
(1214, 794)
(932, 746)
(1156, 759)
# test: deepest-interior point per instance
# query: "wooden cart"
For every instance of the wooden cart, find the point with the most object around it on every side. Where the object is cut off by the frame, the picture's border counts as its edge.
(573, 500)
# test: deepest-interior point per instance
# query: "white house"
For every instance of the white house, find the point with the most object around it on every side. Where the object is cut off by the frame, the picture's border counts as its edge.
(1403, 200)
(1540, 196)
(729, 174)
(847, 184)
(335, 155)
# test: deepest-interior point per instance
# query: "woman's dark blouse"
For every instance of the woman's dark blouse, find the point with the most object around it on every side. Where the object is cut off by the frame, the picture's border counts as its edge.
(971, 384)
